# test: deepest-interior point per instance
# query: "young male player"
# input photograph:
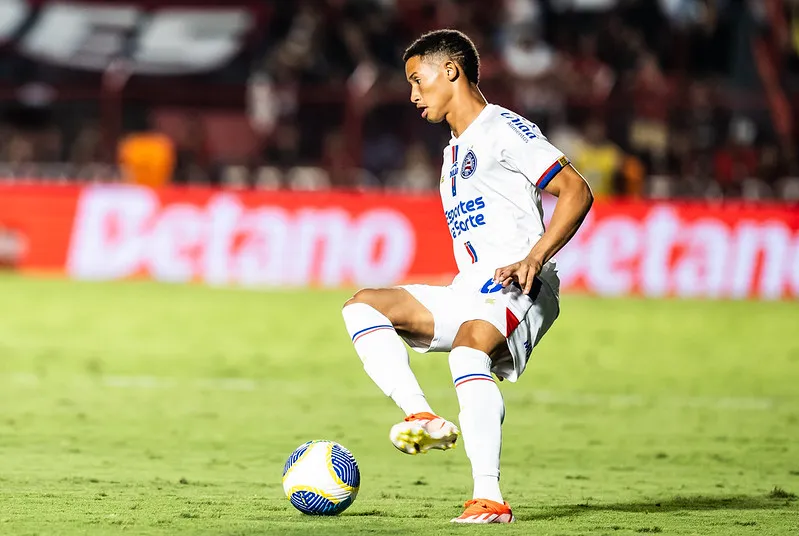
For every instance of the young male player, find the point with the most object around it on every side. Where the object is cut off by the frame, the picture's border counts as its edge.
(506, 294)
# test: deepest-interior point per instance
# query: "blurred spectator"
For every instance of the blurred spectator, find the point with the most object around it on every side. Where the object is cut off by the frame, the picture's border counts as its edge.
(649, 125)
(598, 159)
(337, 161)
(12, 246)
(192, 157)
(592, 79)
(147, 158)
(631, 178)
(771, 166)
(419, 172)
(86, 149)
(382, 154)
(19, 150)
(566, 137)
(736, 160)
(283, 147)
(317, 97)
(702, 121)
(536, 68)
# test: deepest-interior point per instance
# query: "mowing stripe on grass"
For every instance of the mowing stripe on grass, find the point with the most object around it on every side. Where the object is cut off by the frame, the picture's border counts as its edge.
(543, 397)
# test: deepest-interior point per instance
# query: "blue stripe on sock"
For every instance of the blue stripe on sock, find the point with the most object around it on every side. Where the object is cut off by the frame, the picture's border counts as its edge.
(471, 375)
(373, 327)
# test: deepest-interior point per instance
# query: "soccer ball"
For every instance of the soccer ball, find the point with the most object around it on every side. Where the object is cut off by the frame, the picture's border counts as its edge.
(321, 478)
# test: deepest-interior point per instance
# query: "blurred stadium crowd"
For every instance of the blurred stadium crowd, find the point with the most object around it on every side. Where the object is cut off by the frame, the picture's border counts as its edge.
(649, 98)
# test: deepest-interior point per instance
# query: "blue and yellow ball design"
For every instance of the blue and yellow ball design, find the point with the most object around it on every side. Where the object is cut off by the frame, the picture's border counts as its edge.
(321, 478)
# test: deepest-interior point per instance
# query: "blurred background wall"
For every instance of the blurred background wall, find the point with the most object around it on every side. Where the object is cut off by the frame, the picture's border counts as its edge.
(272, 142)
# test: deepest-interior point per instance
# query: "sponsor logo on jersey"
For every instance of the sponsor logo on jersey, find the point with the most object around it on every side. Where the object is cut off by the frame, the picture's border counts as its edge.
(466, 215)
(469, 164)
(523, 128)
(490, 286)
(464, 207)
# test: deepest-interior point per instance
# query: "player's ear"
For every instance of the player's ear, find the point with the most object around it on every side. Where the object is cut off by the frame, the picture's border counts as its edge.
(451, 70)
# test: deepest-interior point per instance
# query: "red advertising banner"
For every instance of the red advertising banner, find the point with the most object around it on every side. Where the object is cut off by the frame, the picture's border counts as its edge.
(222, 237)
(268, 239)
(688, 249)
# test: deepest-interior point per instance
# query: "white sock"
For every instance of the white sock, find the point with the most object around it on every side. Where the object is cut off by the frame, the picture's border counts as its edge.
(481, 416)
(384, 357)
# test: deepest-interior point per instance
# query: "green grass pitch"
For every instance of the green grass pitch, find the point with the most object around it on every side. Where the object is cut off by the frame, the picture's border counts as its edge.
(141, 408)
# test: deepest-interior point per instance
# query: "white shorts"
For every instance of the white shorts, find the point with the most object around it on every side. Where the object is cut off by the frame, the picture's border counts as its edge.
(523, 319)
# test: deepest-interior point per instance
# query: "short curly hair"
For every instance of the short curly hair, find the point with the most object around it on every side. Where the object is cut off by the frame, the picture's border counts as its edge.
(454, 44)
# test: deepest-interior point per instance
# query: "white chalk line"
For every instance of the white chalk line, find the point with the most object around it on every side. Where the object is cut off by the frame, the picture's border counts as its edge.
(542, 397)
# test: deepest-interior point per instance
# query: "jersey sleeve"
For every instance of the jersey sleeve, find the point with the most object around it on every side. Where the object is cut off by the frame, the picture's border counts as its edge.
(531, 155)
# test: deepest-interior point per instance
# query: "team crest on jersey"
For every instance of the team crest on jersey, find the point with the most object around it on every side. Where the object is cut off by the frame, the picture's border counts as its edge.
(469, 164)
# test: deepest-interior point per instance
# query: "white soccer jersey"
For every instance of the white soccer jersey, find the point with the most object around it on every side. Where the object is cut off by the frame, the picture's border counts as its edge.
(490, 188)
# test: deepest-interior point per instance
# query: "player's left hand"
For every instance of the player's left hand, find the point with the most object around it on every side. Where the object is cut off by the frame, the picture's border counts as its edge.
(523, 272)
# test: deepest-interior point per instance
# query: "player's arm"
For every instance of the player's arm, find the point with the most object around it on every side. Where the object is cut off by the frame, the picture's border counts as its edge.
(574, 201)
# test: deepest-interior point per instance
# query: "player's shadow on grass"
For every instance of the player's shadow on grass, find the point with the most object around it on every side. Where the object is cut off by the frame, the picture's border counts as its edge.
(676, 504)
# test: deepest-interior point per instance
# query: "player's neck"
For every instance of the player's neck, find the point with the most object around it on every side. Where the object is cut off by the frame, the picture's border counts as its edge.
(465, 109)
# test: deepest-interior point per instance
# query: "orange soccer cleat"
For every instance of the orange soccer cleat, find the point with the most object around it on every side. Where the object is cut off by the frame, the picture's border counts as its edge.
(485, 511)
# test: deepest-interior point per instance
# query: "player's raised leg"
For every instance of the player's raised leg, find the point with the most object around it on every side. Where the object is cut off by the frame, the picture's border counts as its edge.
(373, 317)
(482, 411)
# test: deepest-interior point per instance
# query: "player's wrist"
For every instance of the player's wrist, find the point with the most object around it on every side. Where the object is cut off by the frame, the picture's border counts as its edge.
(535, 258)
(541, 252)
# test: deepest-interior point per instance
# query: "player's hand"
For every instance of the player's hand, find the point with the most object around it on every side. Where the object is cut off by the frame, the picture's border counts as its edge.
(523, 272)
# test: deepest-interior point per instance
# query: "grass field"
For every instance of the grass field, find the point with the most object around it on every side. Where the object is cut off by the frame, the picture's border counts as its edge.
(148, 409)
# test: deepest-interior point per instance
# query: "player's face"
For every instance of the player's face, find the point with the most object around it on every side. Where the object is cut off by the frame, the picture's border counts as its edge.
(430, 88)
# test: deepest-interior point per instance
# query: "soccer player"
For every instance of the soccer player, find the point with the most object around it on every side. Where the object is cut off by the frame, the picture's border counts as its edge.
(506, 293)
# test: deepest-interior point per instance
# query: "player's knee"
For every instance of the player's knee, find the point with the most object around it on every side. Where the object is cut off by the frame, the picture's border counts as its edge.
(365, 296)
(384, 302)
(376, 299)
(480, 335)
(468, 338)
